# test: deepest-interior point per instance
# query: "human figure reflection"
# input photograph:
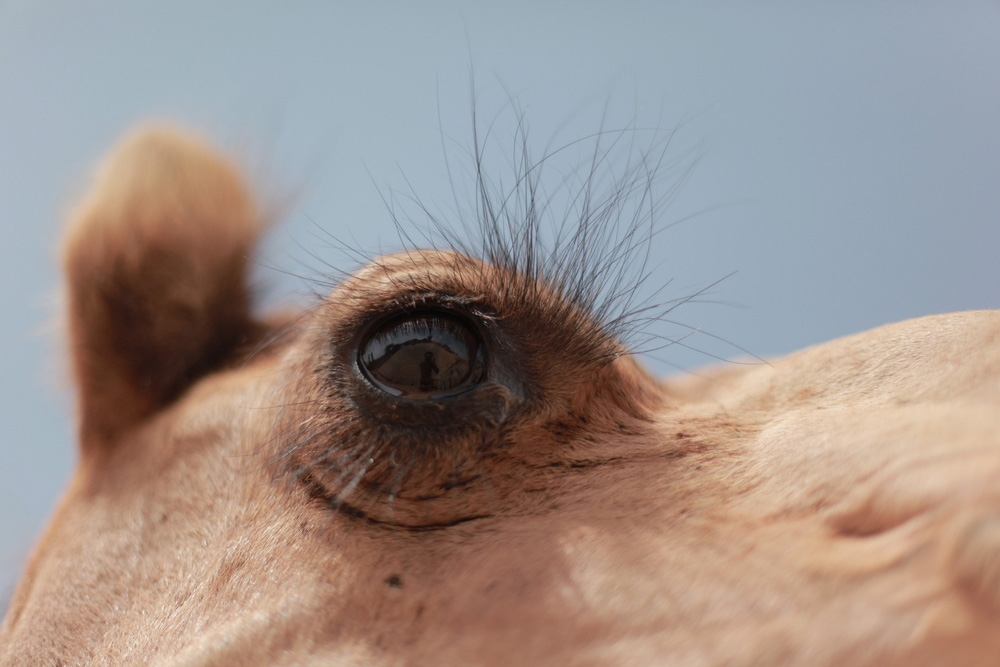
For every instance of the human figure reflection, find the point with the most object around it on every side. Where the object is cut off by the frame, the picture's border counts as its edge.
(428, 369)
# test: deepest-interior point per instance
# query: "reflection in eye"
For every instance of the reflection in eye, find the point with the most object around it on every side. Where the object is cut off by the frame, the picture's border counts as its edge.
(424, 355)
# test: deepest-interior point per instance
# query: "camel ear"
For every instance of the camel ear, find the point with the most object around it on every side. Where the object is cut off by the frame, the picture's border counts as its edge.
(156, 261)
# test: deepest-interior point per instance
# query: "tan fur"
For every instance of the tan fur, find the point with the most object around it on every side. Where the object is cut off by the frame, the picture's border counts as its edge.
(837, 507)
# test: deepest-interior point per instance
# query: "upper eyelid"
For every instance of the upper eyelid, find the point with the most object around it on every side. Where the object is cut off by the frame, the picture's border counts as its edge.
(389, 305)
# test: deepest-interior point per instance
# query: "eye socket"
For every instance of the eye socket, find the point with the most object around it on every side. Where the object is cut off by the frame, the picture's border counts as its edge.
(424, 355)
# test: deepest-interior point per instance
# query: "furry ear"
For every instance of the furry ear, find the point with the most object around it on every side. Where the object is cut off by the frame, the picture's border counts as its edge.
(155, 261)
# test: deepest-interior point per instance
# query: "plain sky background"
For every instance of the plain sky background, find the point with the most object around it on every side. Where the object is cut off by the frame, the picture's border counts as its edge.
(849, 169)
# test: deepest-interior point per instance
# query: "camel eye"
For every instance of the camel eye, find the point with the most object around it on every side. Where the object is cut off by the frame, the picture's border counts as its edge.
(423, 355)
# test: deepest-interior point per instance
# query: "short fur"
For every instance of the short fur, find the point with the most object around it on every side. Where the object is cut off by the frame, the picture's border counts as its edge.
(245, 497)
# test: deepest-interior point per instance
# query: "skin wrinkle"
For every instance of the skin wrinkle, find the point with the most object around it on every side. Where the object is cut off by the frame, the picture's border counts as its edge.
(245, 497)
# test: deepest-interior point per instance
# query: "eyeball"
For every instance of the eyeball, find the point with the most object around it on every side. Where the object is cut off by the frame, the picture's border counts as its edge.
(424, 355)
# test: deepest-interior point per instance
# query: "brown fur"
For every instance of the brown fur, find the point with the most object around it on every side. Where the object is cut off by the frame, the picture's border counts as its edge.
(242, 498)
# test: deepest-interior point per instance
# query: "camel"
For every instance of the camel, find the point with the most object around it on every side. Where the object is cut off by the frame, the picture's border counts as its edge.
(454, 459)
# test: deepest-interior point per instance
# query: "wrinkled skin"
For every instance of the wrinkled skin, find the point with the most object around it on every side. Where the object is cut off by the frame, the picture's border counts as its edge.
(241, 496)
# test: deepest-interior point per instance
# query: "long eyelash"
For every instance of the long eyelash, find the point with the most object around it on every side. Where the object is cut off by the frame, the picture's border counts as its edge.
(594, 256)
(397, 483)
(361, 465)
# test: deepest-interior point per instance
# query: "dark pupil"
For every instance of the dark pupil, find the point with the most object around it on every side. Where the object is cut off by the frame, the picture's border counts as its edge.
(423, 356)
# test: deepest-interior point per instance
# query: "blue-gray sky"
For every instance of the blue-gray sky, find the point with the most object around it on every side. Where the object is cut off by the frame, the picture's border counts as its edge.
(848, 171)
